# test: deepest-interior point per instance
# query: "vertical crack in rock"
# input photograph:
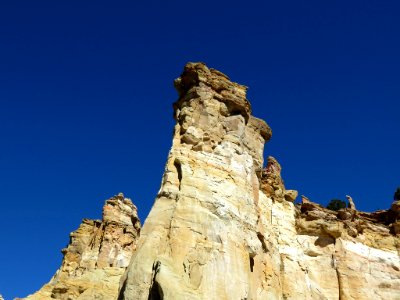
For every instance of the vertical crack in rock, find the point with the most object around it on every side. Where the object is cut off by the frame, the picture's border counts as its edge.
(155, 292)
(339, 280)
(251, 262)
(262, 241)
(334, 264)
(178, 168)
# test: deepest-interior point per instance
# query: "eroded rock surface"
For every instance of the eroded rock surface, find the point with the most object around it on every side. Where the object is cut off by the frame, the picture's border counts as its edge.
(363, 249)
(97, 255)
(272, 183)
(222, 227)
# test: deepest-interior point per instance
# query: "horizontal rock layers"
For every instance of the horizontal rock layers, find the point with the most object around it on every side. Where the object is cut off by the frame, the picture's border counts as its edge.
(362, 248)
(222, 227)
(97, 255)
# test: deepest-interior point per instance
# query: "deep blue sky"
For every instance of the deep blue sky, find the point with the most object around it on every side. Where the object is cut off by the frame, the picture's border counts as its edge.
(86, 93)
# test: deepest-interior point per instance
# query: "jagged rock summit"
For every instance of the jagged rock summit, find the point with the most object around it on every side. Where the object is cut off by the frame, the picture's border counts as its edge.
(223, 227)
(96, 256)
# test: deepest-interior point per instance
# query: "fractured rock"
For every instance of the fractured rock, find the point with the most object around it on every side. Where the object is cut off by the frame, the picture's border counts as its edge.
(272, 183)
(224, 227)
(96, 256)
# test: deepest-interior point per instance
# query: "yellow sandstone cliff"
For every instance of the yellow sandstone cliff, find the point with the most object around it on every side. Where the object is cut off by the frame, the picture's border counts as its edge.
(224, 227)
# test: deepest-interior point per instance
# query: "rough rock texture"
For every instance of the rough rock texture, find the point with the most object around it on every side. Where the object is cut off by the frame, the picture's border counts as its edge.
(97, 255)
(362, 248)
(224, 228)
(272, 183)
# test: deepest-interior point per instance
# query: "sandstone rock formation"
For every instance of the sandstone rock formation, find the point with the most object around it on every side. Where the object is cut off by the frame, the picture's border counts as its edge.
(97, 255)
(362, 247)
(222, 227)
(272, 183)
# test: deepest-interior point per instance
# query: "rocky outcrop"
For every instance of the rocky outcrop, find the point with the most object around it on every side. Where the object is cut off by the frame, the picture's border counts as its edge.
(202, 237)
(222, 227)
(363, 249)
(96, 256)
(272, 183)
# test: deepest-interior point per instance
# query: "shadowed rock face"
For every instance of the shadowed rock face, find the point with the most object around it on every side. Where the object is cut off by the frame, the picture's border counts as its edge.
(224, 228)
(96, 256)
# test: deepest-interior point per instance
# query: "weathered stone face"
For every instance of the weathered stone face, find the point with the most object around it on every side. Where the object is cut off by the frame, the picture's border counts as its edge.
(223, 228)
(97, 255)
(201, 235)
(211, 109)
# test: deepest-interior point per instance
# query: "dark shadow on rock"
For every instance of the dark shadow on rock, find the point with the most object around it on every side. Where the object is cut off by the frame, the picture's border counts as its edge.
(324, 241)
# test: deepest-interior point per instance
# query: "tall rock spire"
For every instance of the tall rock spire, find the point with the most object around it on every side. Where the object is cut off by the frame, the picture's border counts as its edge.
(222, 227)
(200, 239)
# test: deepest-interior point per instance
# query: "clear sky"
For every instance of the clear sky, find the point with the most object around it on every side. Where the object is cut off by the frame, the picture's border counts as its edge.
(86, 105)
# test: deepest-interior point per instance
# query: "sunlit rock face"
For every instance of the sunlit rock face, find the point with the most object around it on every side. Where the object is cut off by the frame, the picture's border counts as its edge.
(222, 227)
(97, 255)
(347, 254)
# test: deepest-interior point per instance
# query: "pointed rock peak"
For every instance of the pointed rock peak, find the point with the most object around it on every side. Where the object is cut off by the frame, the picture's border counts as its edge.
(97, 255)
(351, 202)
(272, 183)
(305, 199)
(120, 210)
(273, 166)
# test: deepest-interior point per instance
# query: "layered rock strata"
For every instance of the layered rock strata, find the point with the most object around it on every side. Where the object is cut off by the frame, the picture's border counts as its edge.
(222, 227)
(97, 255)
(362, 249)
